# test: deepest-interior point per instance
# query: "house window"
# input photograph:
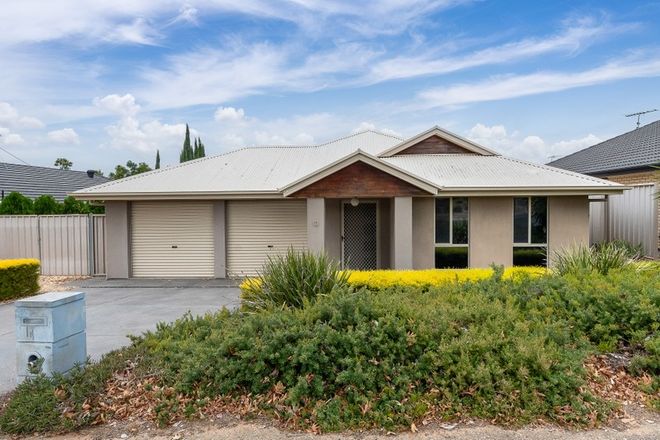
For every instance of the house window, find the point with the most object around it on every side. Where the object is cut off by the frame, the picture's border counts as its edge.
(451, 232)
(530, 231)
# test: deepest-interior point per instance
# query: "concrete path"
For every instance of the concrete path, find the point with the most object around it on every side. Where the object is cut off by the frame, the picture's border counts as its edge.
(113, 313)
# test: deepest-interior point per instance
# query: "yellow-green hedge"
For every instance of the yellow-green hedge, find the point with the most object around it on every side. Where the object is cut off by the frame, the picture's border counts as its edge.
(381, 279)
(18, 278)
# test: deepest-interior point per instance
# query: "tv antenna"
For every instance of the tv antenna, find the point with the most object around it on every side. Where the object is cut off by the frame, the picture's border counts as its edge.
(638, 114)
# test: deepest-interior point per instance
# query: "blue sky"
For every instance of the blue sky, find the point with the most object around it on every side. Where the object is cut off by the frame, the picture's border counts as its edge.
(107, 81)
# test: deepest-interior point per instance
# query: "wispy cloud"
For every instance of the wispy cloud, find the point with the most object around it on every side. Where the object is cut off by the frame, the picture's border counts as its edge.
(513, 86)
(576, 35)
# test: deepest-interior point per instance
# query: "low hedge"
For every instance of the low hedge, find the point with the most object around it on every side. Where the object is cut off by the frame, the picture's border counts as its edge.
(383, 279)
(18, 278)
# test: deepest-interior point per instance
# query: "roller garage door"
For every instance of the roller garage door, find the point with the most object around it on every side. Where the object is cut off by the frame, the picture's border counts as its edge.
(172, 239)
(256, 229)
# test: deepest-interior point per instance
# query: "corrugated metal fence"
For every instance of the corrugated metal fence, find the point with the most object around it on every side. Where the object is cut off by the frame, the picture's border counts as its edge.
(631, 216)
(65, 244)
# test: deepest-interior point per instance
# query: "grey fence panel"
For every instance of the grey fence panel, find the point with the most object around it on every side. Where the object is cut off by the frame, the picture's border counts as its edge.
(19, 236)
(98, 234)
(65, 244)
(631, 216)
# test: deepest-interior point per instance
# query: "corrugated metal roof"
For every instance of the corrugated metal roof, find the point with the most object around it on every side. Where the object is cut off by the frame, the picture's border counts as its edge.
(270, 169)
(248, 169)
(634, 149)
(32, 181)
(469, 170)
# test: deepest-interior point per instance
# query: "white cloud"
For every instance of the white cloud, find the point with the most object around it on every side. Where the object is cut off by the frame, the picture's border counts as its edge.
(9, 138)
(11, 117)
(512, 86)
(229, 114)
(131, 133)
(64, 136)
(364, 126)
(139, 31)
(121, 105)
(575, 36)
(532, 148)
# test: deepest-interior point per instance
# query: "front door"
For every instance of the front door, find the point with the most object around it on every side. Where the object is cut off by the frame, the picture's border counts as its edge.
(360, 236)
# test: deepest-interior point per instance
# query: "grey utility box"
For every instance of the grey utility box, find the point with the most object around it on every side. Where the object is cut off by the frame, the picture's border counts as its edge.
(50, 333)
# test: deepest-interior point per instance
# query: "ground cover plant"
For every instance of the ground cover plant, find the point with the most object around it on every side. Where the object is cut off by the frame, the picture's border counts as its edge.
(507, 350)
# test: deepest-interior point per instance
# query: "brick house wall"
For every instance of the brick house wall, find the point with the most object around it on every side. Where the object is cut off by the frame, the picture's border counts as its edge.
(636, 178)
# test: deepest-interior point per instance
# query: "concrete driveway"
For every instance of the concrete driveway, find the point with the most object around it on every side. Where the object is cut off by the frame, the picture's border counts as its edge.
(114, 312)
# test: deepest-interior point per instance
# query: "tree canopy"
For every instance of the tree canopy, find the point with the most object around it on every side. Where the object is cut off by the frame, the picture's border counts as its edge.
(63, 163)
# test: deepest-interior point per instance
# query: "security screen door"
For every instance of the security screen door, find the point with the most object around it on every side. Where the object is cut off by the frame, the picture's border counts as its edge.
(360, 249)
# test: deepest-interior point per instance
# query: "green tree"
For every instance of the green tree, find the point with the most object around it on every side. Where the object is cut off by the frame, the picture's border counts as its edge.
(130, 169)
(63, 163)
(187, 152)
(119, 173)
(16, 204)
(196, 149)
(46, 205)
(202, 151)
(157, 160)
(73, 206)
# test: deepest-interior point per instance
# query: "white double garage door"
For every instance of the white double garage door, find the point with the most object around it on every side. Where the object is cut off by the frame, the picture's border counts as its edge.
(178, 239)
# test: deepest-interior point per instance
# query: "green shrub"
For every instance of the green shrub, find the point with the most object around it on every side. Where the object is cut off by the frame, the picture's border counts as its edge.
(18, 278)
(15, 204)
(632, 250)
(397, 352)
(601, 258)
(46, 205)
(292, 280)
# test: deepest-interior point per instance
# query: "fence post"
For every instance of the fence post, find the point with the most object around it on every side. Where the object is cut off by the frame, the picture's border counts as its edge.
(90, 245)
(39, 245)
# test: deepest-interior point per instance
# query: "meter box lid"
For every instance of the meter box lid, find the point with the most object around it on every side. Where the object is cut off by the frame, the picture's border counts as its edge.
(50, 299)
(50, 317)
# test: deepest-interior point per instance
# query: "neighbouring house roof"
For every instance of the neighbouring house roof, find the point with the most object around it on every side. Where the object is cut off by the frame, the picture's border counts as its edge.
(636, 149)
(279, 171)
(33, 181)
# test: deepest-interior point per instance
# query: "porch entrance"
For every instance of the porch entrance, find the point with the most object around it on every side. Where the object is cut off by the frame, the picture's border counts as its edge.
(360, 235)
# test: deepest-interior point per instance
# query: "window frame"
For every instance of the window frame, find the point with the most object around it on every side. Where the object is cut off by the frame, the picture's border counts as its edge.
(529, 243)
(451, 222)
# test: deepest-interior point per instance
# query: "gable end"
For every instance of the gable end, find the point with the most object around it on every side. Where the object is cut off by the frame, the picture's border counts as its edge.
(359, 180)
(435, 145)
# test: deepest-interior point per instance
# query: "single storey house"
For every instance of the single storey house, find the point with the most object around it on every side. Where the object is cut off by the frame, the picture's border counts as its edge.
(33, 181)
(370, 200)
(632, 158)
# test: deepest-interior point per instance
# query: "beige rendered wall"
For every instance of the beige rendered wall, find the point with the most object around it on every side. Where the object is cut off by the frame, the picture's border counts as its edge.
(402, 238)
(490, 231)
(220, 239)
(117, 260)
(333, 228)
(423, 233)
(568, 222)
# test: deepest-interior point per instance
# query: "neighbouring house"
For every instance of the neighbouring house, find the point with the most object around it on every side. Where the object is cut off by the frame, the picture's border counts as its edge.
(370, 200)
(631, 159)
(32, 181)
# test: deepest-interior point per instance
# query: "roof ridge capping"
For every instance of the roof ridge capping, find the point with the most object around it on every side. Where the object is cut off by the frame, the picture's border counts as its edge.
(444, 134)
(359, 156)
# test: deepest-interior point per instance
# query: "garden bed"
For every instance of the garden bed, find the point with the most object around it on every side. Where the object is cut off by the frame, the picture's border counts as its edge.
(510, 351)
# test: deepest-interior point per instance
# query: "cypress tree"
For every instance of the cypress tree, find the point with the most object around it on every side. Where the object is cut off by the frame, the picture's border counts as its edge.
(157, 160)
(196, 150)
(187, 151)
(202, 151)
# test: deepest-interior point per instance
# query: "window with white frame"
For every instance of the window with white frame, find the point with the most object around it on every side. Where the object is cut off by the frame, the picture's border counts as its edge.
(451, 232)
(530, 231)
